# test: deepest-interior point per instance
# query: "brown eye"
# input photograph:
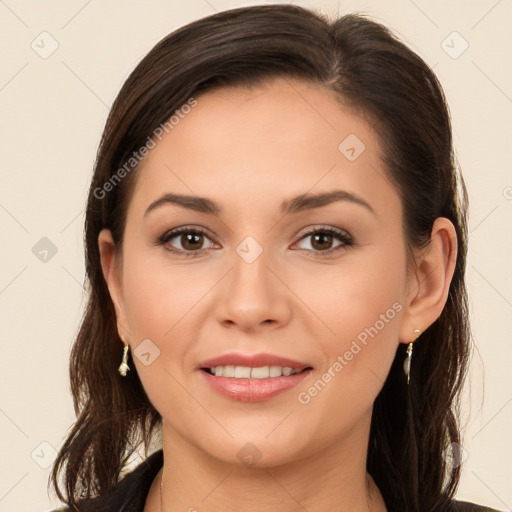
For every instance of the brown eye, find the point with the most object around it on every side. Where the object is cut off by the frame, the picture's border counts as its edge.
(322, 240)
(191, 241)
(187, 241)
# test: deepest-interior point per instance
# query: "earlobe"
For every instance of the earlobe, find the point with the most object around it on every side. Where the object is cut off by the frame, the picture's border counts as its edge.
(429, 289)
(112, 277)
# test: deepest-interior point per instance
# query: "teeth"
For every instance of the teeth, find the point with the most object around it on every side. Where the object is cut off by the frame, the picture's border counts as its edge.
(227, 371)
(275, 371)
(261, 373)
(242, 372)
(246, 372)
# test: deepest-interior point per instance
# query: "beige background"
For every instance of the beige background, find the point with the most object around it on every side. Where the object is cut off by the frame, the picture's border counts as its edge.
(54, 109)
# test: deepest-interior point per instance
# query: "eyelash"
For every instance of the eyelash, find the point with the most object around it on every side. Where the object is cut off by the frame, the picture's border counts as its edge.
(342, 236)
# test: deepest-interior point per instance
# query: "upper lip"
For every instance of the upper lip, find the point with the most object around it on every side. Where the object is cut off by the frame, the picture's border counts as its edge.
(253, 361)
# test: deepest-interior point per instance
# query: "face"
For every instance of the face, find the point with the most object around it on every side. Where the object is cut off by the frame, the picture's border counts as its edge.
(266, 280)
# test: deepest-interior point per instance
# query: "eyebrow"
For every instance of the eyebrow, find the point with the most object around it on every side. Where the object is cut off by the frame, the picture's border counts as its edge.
(294, 205)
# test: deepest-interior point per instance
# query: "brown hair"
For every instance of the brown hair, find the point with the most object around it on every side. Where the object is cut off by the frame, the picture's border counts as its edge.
(370, 70)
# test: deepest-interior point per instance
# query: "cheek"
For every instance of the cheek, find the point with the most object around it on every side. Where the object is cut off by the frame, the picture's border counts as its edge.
(165, 304)
(361, 303)
(158, 296)
(353, 295)
(147, 296)
(159, 301)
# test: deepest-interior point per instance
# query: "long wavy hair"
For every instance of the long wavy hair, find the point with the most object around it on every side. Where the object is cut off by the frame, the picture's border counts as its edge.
(370, 70)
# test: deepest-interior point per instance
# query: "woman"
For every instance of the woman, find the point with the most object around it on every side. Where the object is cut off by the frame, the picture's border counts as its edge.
(275, 246)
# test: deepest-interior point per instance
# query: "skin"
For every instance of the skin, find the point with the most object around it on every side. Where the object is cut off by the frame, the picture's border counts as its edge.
(249, 150)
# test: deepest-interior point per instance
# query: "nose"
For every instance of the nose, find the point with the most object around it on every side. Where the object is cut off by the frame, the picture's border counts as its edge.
(253, 296)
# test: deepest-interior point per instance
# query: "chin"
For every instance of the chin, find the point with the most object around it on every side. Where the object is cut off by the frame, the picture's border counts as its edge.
(254, 446)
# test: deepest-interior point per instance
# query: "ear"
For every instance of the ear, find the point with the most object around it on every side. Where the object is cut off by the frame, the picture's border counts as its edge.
(112, 275)
(428, 288)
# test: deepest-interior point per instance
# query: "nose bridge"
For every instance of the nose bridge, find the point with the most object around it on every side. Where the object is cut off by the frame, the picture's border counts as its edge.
(252, 293)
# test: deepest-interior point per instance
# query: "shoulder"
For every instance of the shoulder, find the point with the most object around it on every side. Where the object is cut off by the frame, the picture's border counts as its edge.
(466, 506)
(130, 493)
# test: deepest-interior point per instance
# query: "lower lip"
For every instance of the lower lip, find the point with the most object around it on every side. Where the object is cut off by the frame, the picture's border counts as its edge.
(254, 390)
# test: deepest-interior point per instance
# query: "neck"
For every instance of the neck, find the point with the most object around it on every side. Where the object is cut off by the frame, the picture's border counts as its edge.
(334, 479)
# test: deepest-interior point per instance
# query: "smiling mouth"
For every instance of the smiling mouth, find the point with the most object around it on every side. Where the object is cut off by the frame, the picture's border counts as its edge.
(247, 372)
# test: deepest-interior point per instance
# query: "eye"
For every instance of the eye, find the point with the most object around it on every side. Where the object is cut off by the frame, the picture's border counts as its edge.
(190, 239)
(322, 238)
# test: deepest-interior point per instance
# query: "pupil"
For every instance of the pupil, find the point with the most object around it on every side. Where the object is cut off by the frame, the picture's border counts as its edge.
(322, 237)
(191, 238)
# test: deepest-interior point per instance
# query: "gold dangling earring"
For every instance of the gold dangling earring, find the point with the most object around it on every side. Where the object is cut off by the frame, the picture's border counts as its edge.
(123, 367)
(408, 359)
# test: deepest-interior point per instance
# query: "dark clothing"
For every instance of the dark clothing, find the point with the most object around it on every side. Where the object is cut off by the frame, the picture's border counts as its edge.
(130, 494)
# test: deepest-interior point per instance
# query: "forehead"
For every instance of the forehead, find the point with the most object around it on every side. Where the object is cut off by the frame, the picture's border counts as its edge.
(255, 147)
